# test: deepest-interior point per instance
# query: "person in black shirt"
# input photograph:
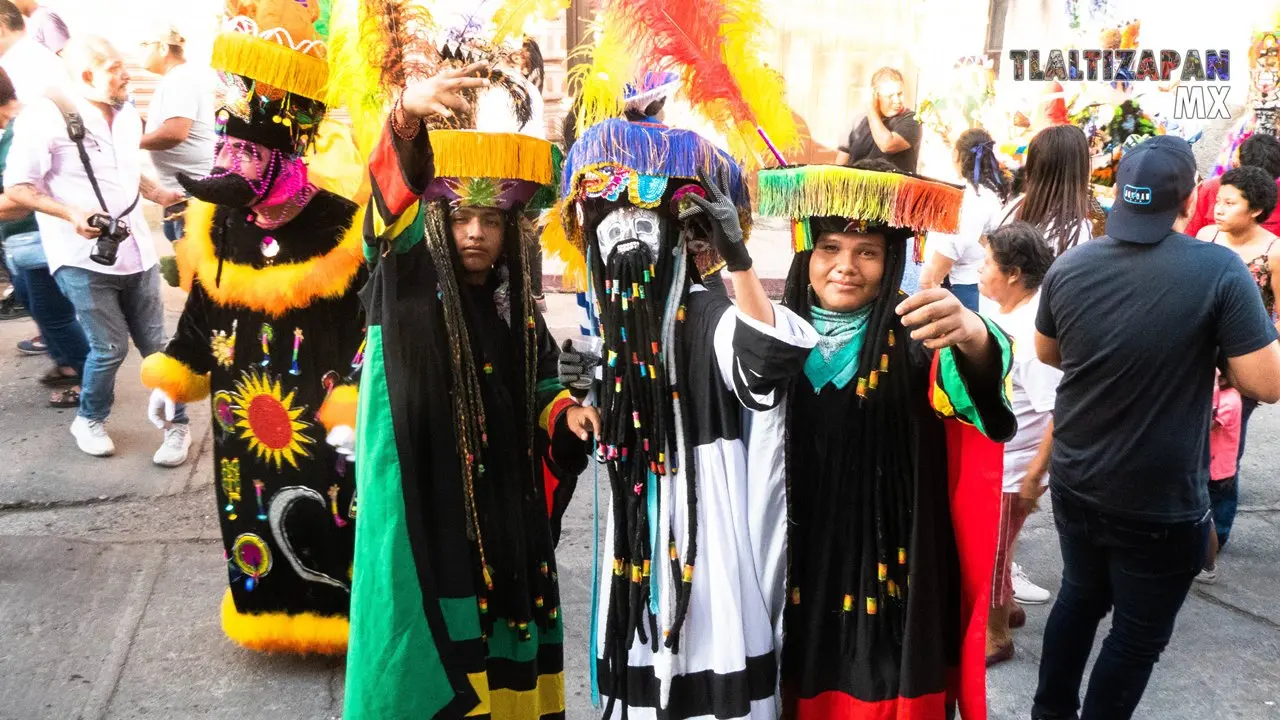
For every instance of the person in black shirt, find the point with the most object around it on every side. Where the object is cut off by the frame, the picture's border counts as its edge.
(1129, 469)
(889, 130)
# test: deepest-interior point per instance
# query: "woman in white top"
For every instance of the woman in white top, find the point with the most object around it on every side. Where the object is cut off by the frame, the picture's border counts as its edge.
(959, 256)
(1016, 258)
(1056, 182)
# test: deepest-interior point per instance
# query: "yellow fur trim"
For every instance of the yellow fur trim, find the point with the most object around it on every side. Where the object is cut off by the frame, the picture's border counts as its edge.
(271, 63)
(179, 382)
(277, 289)
(339, 408)
(302, 634)
(469, 153)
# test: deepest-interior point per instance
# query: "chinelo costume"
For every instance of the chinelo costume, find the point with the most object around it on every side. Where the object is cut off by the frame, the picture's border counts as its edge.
(691, 403)
(463, 449)
(271, 326)
(892, 509)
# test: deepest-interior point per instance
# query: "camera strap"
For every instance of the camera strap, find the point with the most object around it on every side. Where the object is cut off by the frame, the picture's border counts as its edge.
(75, 131)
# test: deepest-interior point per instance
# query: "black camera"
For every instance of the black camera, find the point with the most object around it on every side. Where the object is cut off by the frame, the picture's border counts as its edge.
(113, 232)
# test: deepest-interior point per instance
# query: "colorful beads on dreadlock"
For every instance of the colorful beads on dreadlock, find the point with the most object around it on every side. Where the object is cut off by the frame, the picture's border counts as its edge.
(862, 387)
(884, 363)
(891, 338)
(624, 331)
(636, 574)
(480, 469)
(613, 359)
(537, 602)
(532, 324)
(488, 368)
(874, 381)
(484, 606)
(688, 574)
(635, 417)
(638, 488)
(848, 603)
(625, 308)
(902, 556)
(672, 552)
(647, 567)
(871, 606)
(544, 568)
(635, 290)
(882, 571)
(618, 566)
(893, 589)
(617, 384)
(680, 314)
(487, 572)
(554, 613)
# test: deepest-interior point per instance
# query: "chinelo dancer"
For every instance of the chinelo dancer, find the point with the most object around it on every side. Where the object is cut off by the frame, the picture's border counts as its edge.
(892, 510)
(272, 328)
(462, 426)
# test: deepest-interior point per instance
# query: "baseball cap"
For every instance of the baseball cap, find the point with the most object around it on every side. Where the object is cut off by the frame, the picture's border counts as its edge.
(1153, 180)
(165, 34)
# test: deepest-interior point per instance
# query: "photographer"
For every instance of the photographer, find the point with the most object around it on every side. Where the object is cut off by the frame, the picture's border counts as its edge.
(87, 198)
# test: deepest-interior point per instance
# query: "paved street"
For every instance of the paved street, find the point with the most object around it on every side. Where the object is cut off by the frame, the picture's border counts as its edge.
(111, 574)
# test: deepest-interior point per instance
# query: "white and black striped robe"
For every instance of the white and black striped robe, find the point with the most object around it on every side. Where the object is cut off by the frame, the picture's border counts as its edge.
(736, 370)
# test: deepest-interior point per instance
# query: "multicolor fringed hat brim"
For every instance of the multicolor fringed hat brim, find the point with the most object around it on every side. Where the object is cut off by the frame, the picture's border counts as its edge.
(271, 63)
(871, 197)
(640, 159)
(499, 170)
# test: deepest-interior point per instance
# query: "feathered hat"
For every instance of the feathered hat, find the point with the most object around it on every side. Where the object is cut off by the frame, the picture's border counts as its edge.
(272, 58)
(650, 166)
(867, 199)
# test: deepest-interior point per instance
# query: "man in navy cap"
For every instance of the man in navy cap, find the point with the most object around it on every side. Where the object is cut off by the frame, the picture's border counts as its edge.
(1138, 320)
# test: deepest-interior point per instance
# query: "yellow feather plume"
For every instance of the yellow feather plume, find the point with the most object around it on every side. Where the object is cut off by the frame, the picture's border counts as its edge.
(511, 18)
(762, 87)
(556, 244)
(600, 83)
(355, 83)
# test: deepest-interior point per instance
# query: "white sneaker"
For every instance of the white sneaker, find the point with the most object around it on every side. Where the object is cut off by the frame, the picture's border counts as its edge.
(91, 437)
(1207, 577)
(1027, 592)
(173, 451)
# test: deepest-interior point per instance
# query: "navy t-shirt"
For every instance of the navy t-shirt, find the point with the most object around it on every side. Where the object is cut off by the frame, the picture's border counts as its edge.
(861, 144)
(1141, 329)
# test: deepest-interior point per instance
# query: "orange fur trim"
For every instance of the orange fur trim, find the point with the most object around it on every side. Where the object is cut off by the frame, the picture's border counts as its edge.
(339, 408)
(179, 382)
(302, 634)
(272, 290)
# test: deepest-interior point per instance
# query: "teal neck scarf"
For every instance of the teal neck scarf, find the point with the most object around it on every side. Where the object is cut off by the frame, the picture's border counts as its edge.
(835, 358)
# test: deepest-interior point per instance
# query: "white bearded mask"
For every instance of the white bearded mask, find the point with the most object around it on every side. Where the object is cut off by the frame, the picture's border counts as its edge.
(628, 229)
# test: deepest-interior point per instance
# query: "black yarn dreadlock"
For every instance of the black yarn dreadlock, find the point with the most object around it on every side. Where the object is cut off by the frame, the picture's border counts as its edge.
(514, 558)
(636, 292)
(879, 487)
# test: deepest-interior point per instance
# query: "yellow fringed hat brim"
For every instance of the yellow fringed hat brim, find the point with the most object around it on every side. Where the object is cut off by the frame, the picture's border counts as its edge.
(884, 198)
(475, 154)
(271, 63)
(303, 634)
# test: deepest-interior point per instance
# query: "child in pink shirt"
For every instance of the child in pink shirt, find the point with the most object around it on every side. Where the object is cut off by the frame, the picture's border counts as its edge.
(1224, 446)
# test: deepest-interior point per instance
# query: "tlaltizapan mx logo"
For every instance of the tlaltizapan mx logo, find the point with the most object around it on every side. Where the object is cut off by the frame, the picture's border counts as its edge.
(1192, 102)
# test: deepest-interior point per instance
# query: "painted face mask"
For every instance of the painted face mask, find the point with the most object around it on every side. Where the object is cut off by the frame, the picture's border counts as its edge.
(628, 229)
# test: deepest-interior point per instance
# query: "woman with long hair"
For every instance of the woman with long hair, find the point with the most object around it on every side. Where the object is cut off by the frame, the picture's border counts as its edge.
(958, 256)
(886, 576)
(1056, 196)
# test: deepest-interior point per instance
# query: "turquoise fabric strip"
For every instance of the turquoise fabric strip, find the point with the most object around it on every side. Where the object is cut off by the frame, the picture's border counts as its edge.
(834, 360)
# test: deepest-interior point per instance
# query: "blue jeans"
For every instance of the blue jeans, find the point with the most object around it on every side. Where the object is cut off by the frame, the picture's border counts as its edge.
(51, 310)
(113, 308)
(1143, 571)
(1224, 496)
(967, 295)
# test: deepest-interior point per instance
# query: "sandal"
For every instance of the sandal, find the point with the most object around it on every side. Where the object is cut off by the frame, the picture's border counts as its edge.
(67, 398)
(56, 378)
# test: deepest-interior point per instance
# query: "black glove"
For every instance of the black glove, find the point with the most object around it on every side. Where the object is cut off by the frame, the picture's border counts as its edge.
(718, 218)
(577, 369)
